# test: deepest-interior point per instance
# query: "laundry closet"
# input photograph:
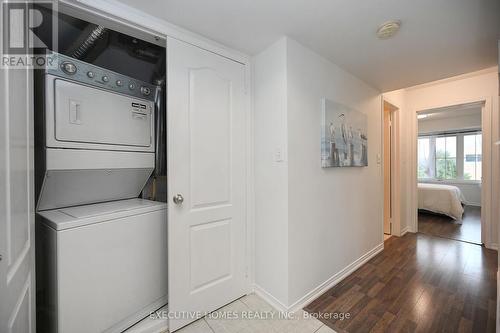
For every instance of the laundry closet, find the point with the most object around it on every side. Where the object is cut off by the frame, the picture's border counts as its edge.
(140, 164)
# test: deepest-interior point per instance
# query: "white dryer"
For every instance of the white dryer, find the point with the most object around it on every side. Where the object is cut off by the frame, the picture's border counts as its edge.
(95, 135)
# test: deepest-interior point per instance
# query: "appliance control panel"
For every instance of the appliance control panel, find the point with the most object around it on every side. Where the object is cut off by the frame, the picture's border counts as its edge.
(86, 73)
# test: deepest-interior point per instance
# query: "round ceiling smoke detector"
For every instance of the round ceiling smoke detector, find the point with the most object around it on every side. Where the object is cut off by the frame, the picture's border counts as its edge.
(388, 29)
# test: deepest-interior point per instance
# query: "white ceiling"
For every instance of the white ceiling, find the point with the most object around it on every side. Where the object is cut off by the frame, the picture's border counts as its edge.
(438, 38)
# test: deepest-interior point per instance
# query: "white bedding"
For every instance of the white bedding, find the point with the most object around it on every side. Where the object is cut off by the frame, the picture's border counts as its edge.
(442, 199)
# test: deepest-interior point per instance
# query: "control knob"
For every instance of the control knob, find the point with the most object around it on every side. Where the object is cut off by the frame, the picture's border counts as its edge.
(68, 67)
(145, 91)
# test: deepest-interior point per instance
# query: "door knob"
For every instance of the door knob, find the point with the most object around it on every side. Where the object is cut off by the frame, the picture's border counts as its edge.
(178, 199)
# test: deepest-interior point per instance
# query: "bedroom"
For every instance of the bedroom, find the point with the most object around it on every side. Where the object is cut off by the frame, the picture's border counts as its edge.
(450, 172)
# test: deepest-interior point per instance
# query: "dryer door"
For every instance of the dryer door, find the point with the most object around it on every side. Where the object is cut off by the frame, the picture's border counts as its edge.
(91, 118)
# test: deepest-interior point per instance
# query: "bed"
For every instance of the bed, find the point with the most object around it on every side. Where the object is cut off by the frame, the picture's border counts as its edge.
(441, 199)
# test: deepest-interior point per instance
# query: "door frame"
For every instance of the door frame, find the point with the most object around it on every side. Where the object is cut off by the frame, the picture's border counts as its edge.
(487, 164)
(395, 167)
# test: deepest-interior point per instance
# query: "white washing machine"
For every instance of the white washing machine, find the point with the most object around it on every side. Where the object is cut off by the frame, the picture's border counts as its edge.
(104, 266)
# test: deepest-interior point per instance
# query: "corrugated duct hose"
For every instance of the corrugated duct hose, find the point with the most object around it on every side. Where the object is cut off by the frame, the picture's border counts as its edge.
(96, 34)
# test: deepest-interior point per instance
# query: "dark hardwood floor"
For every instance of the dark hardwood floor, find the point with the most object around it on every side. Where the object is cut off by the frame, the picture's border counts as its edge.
(418, 283)
(443, 226)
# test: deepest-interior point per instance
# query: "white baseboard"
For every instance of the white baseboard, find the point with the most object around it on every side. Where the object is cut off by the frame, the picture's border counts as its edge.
(493, 246)
(150, 325)
(335, 279)
(273, 301)
(156, 326)
(404, 231)
(320, 289)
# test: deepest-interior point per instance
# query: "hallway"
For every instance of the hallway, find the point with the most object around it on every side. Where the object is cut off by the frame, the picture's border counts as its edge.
(419, 283)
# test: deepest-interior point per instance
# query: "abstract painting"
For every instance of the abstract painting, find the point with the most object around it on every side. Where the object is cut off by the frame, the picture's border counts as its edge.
(344, 141)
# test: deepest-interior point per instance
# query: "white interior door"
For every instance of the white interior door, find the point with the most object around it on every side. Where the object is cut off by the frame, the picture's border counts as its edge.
(17, 276)
(206, 166)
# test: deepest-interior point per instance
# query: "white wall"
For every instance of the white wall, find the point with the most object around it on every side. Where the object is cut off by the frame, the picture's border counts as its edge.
(335, 214)
(329, 217)
(482, 85)
(471, 192)
(271, 177)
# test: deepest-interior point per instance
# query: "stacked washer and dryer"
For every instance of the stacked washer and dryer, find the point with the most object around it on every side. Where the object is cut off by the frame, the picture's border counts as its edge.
(101, 250)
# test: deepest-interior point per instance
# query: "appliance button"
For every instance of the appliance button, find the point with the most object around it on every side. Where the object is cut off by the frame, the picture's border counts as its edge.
(105, 78)
(131, 85)
(90, 74)
(68, 67)
(119, 83)
(145, 91)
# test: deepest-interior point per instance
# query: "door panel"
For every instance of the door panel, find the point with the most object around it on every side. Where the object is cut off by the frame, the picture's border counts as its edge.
(210, 240)
(210, 134)
(206, 158)
(17, 305)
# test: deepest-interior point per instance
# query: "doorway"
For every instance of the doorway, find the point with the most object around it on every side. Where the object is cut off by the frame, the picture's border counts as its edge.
(389, 157)
(452, 171)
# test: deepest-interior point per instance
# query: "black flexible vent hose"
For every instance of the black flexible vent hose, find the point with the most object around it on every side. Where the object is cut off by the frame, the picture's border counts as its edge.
(95, 35)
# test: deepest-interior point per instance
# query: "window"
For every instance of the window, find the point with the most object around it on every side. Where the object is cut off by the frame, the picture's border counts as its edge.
(450, 156)
(425, 160)
(446, 157)
(472, 156)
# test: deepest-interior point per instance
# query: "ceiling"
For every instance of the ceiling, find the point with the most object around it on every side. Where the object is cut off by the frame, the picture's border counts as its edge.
(438, 38)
